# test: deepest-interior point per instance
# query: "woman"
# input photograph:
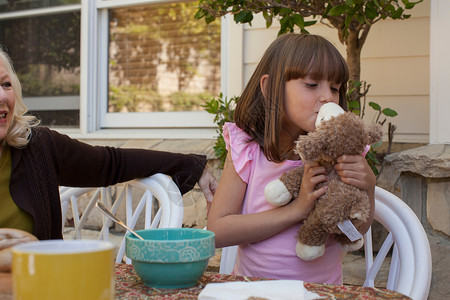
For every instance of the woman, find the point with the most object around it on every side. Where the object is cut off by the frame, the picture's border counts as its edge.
(35, 161)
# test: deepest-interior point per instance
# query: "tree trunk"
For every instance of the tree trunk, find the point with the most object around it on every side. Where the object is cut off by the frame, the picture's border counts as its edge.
(353, 48)
(353, 55)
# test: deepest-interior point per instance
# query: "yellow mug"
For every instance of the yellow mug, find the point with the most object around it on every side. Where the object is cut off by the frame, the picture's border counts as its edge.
(63, 270)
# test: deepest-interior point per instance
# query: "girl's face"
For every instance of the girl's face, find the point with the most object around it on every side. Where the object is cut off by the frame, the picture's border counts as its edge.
(303, 99)
(7, 102)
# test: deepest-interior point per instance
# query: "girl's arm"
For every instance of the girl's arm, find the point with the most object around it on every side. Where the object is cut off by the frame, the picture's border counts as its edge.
(354, 170)
(232, 228)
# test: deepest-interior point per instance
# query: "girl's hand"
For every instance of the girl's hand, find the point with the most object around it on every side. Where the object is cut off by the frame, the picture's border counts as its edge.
(354, 170)
(312, 175)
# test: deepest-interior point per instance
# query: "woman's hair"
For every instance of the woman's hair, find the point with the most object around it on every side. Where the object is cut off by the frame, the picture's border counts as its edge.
(19, 132)
(290, 56)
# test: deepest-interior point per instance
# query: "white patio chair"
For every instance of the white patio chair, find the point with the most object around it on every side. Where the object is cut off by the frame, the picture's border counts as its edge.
(158, 187)
(410, 268)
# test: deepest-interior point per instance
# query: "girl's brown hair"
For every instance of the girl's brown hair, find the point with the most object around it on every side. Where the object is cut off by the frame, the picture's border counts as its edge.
(290, 56)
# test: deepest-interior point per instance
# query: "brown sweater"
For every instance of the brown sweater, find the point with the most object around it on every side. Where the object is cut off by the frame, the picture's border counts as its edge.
(52, 159)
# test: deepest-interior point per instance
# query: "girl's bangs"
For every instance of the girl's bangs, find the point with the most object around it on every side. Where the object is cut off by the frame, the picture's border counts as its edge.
(319, 61)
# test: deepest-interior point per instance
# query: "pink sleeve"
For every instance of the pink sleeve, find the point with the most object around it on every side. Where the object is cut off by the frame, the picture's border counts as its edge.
(366, 150)
(242, 151)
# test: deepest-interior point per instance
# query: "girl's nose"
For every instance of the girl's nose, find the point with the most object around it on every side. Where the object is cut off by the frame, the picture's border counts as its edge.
(326, 95)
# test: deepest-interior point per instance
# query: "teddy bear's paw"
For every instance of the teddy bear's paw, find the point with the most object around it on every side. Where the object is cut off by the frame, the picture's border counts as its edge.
(307, 252)
(353, 246)
(356, 216)
(276, 193)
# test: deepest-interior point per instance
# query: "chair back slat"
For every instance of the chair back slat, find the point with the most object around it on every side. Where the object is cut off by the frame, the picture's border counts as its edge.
(154, 191)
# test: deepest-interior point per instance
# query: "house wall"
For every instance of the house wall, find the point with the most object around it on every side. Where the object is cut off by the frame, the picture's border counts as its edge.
(395, 61)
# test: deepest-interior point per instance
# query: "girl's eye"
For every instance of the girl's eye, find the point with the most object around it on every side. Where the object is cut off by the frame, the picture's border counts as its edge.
(334, 90)
(311, 85)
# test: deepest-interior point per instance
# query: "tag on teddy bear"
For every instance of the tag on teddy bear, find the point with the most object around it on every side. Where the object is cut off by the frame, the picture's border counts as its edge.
(349, 230)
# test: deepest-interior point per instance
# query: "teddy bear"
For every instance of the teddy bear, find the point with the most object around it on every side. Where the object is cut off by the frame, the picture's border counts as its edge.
(343, 208)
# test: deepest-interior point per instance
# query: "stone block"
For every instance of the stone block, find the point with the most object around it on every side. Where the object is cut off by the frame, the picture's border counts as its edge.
(438, 206)
(412, 192)
(430, 161)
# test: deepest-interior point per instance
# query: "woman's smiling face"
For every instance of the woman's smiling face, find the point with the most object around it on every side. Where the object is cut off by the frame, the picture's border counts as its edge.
(7, 101)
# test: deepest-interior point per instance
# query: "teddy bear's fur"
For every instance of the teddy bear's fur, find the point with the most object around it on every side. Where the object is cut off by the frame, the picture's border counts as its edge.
(339, 135)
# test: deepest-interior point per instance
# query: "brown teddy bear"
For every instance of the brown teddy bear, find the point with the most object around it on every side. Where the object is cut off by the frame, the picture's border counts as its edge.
(343, 208)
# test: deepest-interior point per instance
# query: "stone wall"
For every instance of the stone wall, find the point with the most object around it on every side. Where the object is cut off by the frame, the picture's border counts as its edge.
(424, 184)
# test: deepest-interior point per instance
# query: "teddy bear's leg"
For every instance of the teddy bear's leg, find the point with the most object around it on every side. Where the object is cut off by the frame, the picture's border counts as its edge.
(307, 252)
(311, 238)
(356, 245)
(280, 191)
(348, 245)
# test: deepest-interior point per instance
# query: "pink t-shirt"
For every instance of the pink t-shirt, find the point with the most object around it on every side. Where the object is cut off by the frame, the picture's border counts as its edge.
(274, 257)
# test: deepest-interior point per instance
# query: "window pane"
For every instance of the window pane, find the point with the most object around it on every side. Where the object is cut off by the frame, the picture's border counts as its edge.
(162, 59)
(16, 5)
(46, 54)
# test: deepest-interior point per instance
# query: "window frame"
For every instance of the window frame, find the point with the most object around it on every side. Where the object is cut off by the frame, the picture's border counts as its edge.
(95, 122)
(55, 102)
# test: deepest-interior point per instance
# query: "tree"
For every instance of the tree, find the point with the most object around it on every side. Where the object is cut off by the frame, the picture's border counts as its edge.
(352, 19)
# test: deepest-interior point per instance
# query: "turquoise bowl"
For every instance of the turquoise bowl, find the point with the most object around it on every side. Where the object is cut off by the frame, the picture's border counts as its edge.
(170, 257)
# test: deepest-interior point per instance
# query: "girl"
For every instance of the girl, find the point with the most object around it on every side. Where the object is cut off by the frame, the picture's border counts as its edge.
(295, 77)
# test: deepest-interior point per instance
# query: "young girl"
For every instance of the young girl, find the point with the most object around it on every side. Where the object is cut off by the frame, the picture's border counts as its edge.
(295, 77)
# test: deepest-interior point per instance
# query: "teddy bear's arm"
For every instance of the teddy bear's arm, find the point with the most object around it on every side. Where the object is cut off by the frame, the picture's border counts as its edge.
(282, 190)
(292, 181)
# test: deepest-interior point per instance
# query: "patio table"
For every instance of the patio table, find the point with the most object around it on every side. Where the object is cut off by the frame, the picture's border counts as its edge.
(130, 286)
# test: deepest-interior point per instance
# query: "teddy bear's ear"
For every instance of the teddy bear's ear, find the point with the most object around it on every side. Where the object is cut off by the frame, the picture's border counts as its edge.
(374, 133)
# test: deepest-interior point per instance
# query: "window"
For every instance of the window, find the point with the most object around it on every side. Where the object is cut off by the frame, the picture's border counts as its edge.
(114, 64)
(160, 59)
(45, 50)
(14, 5)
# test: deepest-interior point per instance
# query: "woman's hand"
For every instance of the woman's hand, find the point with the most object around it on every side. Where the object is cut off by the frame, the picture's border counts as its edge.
(208, 184)
(10, 237)
(354, 170)
(313, 174)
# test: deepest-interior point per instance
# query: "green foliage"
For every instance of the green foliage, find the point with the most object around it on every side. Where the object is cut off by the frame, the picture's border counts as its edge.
(223, 111)
(34, 86)
(354, 106)
(134, 98)
(344, 15)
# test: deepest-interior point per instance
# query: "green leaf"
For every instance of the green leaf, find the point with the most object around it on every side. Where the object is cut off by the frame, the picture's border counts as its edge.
(397, 14)
(375, 106)
(309, 23)
(243, 17)
(348, 20)
(353, 104)
(268, 18)
(371, 12)
(200, 14)
(209, 19)
(338, 10)
(377, 144)
(298, 20)
(389, 112)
